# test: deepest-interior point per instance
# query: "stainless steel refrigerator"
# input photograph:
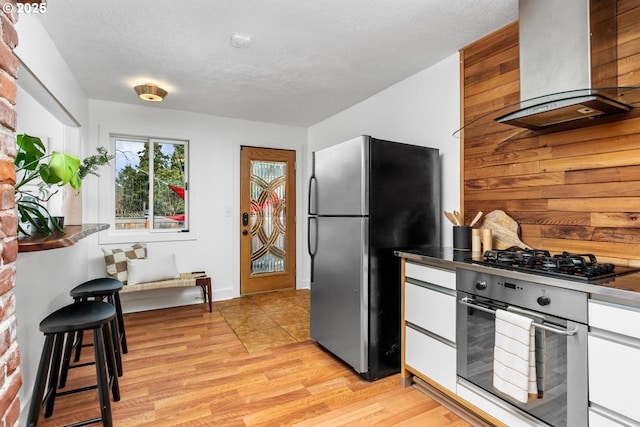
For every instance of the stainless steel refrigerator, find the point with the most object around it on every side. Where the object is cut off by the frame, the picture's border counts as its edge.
(367, 198)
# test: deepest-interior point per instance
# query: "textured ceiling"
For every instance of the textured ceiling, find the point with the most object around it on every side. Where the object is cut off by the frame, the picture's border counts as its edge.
(308, 60)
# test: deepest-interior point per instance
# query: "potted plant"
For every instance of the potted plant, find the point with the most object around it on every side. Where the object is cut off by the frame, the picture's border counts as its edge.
(37, 173)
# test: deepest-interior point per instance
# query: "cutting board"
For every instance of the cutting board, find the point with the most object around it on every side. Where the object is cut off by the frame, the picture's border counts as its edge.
(504, 229)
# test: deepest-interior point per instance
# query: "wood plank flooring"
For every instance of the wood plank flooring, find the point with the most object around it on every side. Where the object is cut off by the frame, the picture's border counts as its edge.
(187, 367)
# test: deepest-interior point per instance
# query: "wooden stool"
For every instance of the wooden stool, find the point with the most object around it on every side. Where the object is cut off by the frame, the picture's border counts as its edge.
(78, 317)
(98, 289)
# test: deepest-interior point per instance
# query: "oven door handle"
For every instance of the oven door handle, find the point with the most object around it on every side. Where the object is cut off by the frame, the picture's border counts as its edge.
(469, 302)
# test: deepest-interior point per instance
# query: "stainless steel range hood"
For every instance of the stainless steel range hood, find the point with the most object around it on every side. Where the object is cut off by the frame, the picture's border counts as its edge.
(568, 63)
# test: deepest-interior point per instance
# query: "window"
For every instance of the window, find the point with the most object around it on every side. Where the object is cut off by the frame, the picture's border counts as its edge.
(150, 184)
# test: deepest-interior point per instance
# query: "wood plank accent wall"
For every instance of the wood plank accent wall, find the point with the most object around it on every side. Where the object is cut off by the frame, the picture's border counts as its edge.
(576, 190)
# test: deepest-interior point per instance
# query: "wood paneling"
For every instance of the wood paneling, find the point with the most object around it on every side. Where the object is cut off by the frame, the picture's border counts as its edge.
(576, 190)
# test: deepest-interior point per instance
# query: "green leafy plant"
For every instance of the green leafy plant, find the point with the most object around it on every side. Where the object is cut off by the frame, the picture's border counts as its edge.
(90, 165)
(44, 172)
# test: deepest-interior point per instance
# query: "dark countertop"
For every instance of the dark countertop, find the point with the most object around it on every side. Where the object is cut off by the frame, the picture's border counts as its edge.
(72, 234)
(624, 289)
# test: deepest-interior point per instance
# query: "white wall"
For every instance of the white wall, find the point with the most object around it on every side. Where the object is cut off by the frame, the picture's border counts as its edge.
(423, 109)
(212, 244)
(43, 282)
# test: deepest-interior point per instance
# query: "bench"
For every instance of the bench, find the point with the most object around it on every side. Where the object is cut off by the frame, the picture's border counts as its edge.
(196, 278)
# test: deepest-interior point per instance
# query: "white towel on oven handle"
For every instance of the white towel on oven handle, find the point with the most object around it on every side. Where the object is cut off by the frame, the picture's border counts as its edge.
(514, 361)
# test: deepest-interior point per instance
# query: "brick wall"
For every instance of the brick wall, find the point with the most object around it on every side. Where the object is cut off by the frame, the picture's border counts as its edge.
(10, 376)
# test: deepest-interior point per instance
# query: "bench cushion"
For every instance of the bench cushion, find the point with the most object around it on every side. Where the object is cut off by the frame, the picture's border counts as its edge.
(116, 259)
(152, 269)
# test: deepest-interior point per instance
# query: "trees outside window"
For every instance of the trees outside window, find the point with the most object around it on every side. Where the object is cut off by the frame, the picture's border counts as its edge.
(151, 187)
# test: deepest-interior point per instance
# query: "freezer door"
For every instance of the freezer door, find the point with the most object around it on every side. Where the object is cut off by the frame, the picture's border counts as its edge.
(341, 184)
(339, 292)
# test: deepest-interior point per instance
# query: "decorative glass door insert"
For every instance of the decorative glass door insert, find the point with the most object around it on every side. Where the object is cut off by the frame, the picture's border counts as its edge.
(268, 216)
(267, 219)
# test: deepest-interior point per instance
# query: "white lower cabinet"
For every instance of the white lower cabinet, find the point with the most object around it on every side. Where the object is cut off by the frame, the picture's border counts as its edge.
(431, 357)
(429, 310)
(614, 352)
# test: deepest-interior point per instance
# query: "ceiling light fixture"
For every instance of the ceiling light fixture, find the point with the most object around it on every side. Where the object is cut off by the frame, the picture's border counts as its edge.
(150, 92)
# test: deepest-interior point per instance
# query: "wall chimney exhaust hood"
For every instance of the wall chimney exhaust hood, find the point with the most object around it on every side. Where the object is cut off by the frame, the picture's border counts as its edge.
(568, 69)
(567, 48)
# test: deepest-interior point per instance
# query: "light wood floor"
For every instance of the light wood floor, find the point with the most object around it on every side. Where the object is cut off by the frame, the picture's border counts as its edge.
(187, 367)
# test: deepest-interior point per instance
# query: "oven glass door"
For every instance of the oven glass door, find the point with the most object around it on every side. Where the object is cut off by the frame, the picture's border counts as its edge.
(476, 339)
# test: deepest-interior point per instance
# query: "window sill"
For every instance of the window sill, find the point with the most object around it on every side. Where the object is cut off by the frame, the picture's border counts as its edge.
(72, 234)
(118, 237)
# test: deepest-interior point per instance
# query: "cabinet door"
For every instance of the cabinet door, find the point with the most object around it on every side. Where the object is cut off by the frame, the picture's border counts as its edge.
(431, 310)
(431, 357)
(436, 276)
(618, 318)
(614, 377)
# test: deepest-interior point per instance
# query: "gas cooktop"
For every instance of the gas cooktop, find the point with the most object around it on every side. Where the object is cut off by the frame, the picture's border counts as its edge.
(584, 267)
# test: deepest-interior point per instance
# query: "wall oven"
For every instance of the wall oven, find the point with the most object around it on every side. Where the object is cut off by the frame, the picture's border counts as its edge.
(560, 323)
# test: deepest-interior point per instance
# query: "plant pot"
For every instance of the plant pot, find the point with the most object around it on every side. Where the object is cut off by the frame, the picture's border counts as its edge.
(72, 206)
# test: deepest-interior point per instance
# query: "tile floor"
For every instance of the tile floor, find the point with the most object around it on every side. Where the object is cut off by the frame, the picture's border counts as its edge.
(268, 320)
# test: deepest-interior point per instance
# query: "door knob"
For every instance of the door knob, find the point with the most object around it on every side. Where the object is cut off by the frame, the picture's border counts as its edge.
(245, 232)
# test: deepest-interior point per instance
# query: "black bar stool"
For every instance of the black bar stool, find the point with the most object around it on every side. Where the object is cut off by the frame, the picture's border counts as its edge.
(98, 289)
(78, 317)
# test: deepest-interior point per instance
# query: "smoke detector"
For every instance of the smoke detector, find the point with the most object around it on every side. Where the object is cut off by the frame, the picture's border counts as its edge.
(240, 41)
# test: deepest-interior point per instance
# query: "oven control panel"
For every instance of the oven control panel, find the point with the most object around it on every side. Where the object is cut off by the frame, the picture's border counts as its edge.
(535, 296)
(511, 285)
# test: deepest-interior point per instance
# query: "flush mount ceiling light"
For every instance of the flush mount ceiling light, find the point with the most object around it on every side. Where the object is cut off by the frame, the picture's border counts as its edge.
(150, 92)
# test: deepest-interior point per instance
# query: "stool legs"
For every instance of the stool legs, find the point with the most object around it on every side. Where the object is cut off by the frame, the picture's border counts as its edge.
(115, 331)
(50, 396)
(103, 383)
(41, 381)
(123, 336)
(117, 328)
(66, 359)
(77, 344)
(111, 362)
(52, 365)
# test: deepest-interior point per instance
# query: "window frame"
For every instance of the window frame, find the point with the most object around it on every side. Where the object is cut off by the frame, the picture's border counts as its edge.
(146, 234)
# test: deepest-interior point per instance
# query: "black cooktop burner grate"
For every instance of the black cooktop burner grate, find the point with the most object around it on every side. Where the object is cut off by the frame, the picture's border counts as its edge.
(566, 264)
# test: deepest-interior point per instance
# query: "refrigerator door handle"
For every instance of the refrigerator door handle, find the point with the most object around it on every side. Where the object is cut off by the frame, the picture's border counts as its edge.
(312, 251)
(311, 194)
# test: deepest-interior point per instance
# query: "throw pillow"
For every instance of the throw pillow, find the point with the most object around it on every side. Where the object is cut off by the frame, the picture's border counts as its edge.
(152, 269)
(116, 259)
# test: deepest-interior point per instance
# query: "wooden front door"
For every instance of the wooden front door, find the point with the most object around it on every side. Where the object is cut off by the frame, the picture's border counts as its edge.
(267, 220)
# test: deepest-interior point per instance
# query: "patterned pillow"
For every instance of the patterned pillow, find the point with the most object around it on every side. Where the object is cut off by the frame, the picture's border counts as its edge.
(116, 259)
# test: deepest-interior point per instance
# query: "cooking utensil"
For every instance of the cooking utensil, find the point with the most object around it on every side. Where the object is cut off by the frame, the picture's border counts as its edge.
(452, 219)
(458, 217)
(475, 219)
